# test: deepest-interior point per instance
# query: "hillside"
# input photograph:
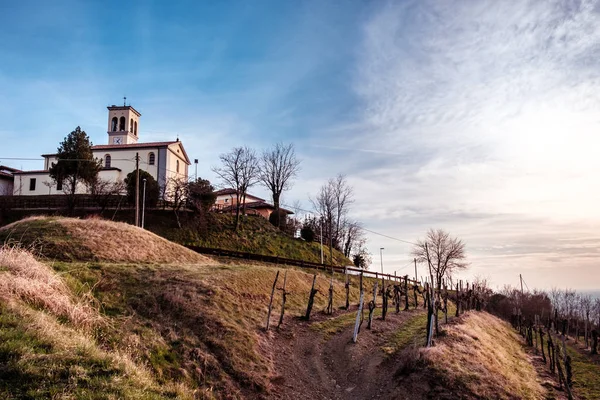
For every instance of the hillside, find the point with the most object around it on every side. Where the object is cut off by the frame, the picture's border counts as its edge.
(256, 235)
(70, 239)
(94, 328)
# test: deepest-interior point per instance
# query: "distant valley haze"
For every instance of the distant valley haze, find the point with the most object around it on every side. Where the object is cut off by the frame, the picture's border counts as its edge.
(481, 118)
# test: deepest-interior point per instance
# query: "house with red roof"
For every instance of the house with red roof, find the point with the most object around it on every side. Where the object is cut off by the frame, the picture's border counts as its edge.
(226, 200)
(165, 161)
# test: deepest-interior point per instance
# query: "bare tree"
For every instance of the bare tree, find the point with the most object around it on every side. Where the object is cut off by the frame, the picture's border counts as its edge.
(278, 166)
(239, 170)
(586, 308)
(177, 191)
(333, 204)
(444, 255)
(102, 190)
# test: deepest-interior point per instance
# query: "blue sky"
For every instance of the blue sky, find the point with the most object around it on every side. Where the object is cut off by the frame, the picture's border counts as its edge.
(481, 118)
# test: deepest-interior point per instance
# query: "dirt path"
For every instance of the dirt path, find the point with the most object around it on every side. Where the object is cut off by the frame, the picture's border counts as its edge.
(312, 366)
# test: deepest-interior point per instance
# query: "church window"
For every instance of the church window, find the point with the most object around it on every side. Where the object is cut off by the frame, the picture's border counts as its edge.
(151, 159)
(122, 124)
(113, 125)
(32, 184)
(135, 128)
(131, 125)
(177, 166)
(107, 160)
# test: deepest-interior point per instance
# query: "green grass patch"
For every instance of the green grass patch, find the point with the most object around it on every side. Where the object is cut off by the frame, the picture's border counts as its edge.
(412, 331)
(337, 324)
(586, 376)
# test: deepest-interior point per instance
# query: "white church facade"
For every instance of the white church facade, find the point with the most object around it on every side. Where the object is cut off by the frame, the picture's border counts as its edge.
(165, 161)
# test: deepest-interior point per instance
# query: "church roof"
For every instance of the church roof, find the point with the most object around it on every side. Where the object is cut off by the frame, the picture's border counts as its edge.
(233, 191)
(133, 146)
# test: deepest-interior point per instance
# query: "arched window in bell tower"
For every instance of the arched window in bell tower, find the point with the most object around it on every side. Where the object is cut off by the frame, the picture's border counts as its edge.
(122, 124)
(131, 125)
(135, 128)
(113, 124)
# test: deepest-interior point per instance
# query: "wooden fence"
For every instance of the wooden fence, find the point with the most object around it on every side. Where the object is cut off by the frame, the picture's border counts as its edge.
(296, 263)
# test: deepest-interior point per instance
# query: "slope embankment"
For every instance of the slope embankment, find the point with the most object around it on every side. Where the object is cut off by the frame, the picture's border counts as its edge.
(125, 322)
(478, 357)
(71, 239)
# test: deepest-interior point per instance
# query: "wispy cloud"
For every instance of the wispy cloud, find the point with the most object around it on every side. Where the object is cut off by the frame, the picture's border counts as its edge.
(496, 105)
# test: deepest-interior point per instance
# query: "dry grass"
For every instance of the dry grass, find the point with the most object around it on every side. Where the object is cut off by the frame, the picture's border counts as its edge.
(48, 344)
(23, 278)
(71, 239)
(485, 356)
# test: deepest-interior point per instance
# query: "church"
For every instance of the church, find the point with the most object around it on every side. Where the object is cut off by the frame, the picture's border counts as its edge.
(165, 161)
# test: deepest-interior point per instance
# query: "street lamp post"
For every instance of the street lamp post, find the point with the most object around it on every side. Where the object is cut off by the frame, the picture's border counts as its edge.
(196, 162)
(321, 225)
(144, 204)
(381, 258)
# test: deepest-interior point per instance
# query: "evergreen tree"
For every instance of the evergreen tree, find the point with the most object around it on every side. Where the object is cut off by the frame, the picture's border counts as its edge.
(76, 164)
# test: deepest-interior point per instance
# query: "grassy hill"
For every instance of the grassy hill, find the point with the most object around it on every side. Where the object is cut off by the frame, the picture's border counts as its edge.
(256, 235)
(127, 325)
(137, 324)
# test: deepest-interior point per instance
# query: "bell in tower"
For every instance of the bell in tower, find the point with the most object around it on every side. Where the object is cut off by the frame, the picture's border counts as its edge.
(122, 124)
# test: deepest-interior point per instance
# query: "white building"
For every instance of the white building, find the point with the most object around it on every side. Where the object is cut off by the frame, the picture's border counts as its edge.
(163, 160)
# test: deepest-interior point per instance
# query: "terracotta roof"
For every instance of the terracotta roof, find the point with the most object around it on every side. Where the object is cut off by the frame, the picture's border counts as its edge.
(233, 191)
(114, 107)
(132, 145)
(36, 171)
(255, 205)
(9, 169)
(6, 175)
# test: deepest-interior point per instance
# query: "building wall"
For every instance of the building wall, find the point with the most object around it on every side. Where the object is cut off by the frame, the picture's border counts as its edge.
(6, 187)
(125, 160)
(230, 199)
(45, 185)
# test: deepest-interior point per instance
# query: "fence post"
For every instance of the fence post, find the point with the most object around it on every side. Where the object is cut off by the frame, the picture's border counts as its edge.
(359, 312)
(283, 299)
(271, 301)
(311, 298)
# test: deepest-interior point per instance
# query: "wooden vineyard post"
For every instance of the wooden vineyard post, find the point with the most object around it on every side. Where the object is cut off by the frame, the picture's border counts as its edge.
(429, 315)
(415, 289)
(347, 287)
(384, 302)
(359, 312)
(271, 301)
(330, 302)
(405, 292)
(372, 306)
(283, 299)
(311, 298)
(446, 303)
(541, 332)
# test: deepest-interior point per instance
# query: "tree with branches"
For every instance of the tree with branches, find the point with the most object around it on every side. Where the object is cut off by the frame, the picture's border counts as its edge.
(444, 255)
(76, 164)
(278, 167)
(239, 170)
(332, 203)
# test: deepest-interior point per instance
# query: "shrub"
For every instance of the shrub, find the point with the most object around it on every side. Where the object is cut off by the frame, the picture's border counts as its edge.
(307, 233)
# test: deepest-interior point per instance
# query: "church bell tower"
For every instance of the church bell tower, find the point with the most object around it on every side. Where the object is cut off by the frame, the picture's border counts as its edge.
(122, 124)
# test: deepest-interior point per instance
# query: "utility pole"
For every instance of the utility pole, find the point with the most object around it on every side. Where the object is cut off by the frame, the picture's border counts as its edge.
(144, 204)
(137, 189)
(321, 225)
(416, 276)
(521, 302)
